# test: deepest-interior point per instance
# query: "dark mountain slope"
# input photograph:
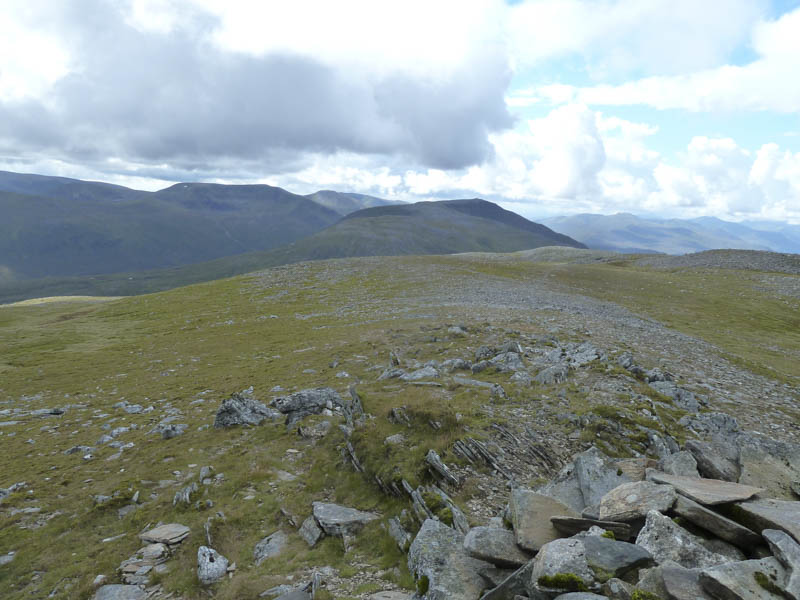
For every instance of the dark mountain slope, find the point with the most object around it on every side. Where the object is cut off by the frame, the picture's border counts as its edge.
(423, 228)
(74, 228)
(345, 203)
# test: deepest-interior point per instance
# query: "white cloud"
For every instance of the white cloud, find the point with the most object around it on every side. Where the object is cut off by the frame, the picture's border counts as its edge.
(768, 83)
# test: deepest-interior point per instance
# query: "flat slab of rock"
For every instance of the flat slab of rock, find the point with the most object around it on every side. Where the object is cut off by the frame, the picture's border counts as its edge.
(740, 580)
(170, 534)
(310, 531)
(569, 526)
(437, 553)
(120, 592)
(667, 541)
(340, 520)
(496, 546)
(770, 514)
(717, 459)
(565, 488)
(680, 463)
(632, 501)
(530, 517)
(706, 491)
(722, 527)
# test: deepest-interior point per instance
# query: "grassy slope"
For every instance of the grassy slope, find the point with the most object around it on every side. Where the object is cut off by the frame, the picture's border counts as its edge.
(205, 341)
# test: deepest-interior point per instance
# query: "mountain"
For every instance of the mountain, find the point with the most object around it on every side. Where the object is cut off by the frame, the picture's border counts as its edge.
(57, 227)
(625, 232)
(444, 227)
(345, 203)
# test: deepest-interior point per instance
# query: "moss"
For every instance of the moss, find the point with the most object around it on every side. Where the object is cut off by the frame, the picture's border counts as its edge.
(438, 507)
(609, 534)
(639, 594)
(563, 581)
(423, 583)
(765, 582)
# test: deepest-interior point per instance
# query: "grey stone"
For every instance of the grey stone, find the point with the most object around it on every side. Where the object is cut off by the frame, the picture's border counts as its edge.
(683, 584)
(580, 596)
(399, 534)
(270, 546)
(494, 576)
(681, 397)
(508, 361)
(610, 558)
(681, 463)
(597, 475)
(718, 459)
(616, 589)
(565, 488)
(514, 585)
(420, 374)
(310, 531)
(530, 517)
(437, 554)
(770, 514)
(211, 565)
(242, 409)
(795, 485)
(7, 558)
(495, 546)
(120, 592)
(723, 548)
(442, 470)
(582, 354)
(170, 534)
(787, 551)
(666, 540)
(390, 595)
(456, 364)
(769, 464)
(738, 581)
(391, 373)
(484, 353)
(706, 491)
(708, 424)
(340, 520)
(552, 375)
(720, 526)
(295, 595)
(632, 501)
(560, 557)
(301, 404)
(569, 526)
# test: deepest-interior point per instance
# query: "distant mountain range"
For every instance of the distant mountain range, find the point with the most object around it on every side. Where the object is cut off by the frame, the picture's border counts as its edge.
(64, 236)
(54, 226)
(625, 232)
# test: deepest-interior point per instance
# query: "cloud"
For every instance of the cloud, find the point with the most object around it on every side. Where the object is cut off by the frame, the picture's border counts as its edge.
(171, 86)
(767, 83)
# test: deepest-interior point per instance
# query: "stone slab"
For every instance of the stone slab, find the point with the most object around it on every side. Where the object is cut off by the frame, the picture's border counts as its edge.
(722, 527)
(706, 491)
(770, 514)
(530, 517)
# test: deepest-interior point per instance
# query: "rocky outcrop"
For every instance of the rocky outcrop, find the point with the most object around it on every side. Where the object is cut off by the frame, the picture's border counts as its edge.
(242, 409)
(301, 404)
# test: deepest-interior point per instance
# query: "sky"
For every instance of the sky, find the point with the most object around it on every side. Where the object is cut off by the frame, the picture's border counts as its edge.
(668, 108)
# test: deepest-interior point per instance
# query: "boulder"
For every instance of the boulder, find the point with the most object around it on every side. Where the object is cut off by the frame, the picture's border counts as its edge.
(270, 546)
(787, 551)
(441, 567)
(552, 375)
(340, 520)
(609, 558)
(683, 584)
(770, 514)
(514, 585)
(508, 361)
(561, 564)
(530, 518)
(681, 463)
(706, 491)
(120, 592)
(667, 541)
(569, 526)
(580, 596)
(420, 374)
(301, 404)
(311, 532)
(170, 534)
(746, 580)
(710, 424)
(495, 546)
(242, 409)
(682, 398)
(211, 565)
(632, 501)
(722, 527)
(769, 464)
(718, 459)
(597, 475)
(565, 488)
